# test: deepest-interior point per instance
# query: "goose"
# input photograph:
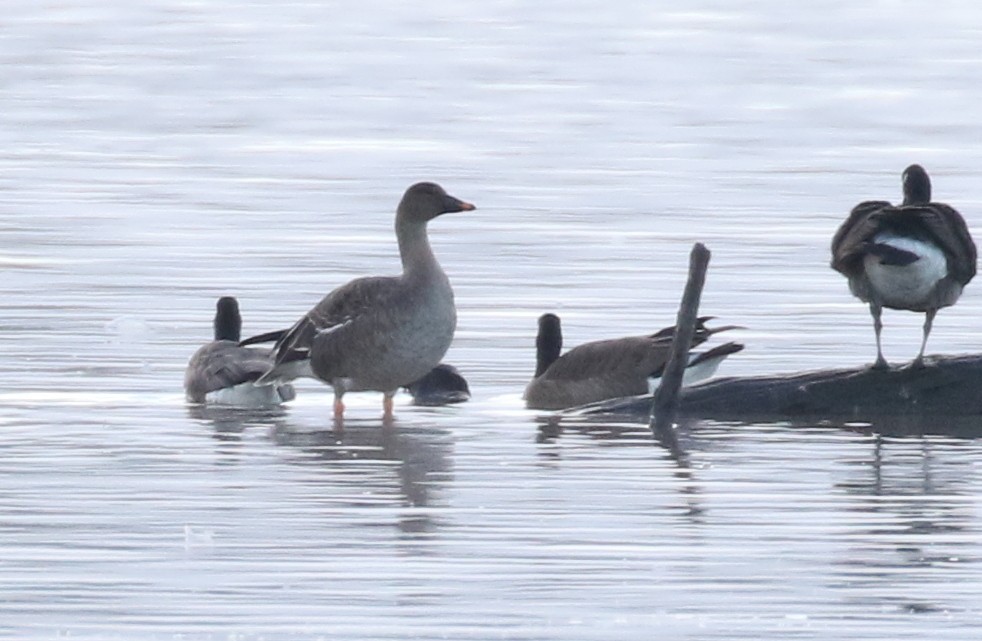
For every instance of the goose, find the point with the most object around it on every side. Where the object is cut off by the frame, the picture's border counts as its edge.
(443, 385)
(602, 370)
(379, 333)
(224, 373)
(915, 256)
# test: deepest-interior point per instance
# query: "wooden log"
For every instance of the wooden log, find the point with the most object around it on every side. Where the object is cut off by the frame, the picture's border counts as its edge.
(928, 399)
(665, 405)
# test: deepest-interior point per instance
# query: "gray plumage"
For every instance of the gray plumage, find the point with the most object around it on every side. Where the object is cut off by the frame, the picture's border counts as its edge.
(223, 372)
(380, 333)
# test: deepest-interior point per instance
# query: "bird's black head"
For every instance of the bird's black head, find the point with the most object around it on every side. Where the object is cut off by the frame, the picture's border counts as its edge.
(548, 342)
(425, 201)
(228, 322)
(917, 186)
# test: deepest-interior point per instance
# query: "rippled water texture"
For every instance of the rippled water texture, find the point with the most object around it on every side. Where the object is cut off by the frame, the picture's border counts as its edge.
(157, 155)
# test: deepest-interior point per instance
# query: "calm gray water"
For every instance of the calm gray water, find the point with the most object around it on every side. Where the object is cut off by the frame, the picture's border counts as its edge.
(157, 155)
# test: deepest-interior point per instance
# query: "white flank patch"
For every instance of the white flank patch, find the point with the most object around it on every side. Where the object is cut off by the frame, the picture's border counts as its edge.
(693, 374)
(906, 285)
(245, 395)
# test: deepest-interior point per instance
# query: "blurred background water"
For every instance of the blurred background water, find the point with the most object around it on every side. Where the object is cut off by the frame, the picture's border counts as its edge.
(157, 155)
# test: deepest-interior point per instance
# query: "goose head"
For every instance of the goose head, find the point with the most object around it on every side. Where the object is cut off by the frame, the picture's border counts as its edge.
(425, 201)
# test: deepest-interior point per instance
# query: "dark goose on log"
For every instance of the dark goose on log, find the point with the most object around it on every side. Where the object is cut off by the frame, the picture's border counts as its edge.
(915, 256)
(224, 373)
(382, 332)
(603, 370)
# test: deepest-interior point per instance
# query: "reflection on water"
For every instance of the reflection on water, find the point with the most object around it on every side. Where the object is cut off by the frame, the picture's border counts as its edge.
(915, 513)
(421, 461)
(228, 423)
(156, 156)
(420, 458)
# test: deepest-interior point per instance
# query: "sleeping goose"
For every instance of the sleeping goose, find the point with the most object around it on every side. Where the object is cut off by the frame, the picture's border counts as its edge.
(380, 332)
(224, 373)
(916, 256)
(443, 385)
(615, 368)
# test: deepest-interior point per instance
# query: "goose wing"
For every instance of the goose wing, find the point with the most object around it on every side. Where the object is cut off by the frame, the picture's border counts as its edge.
(633, 357)
(948, 229)
(358, 301)
(849, 241)
(223, 364)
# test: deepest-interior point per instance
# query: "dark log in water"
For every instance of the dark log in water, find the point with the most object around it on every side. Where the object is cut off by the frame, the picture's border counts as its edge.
(948, 387)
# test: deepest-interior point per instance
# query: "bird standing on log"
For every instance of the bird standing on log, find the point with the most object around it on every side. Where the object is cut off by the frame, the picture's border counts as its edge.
(915, 256)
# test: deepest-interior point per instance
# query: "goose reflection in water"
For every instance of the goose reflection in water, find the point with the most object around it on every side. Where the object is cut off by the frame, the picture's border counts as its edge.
(228, 424)
(422, 457)
(914, 506)
(609, 432)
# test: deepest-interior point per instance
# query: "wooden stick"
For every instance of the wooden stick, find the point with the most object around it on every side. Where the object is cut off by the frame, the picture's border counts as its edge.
(665, 406)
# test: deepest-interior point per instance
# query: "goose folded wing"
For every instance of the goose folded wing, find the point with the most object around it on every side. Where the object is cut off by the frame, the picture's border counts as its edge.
(229, 365)
(667, 334)
(947, 227)
(268, 337)
(346, 304)
(850, 240)
(700, 336)
(631, 357)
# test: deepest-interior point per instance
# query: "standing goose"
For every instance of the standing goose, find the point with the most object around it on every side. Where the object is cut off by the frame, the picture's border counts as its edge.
(222, 372)
(380, 332)
(916, 256)
(442, 385)
(615, 368)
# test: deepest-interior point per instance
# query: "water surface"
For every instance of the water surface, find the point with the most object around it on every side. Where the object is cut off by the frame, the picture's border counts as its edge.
(157, 156)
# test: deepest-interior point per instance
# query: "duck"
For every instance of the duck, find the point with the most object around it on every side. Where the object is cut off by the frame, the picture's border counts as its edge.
(224, 373)
(916, 256)
(379, 333)
(613, 368)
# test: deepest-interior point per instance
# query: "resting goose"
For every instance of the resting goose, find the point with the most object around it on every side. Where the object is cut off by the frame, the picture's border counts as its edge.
(224, 373)
(381, 332)
(915, 256)
(443, 385)
(615, 368)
